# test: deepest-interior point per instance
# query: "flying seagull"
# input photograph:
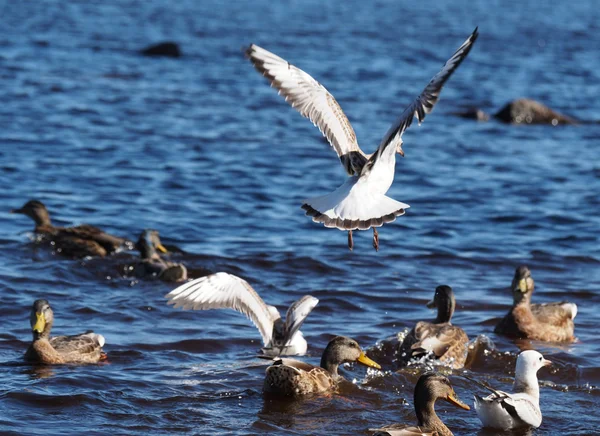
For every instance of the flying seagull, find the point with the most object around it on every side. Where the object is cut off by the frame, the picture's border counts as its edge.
(360, 203)
(226, 291)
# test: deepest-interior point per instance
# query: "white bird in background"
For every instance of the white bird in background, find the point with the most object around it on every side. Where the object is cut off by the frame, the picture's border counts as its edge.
(226, 291)
(360, 203)
(505, 411)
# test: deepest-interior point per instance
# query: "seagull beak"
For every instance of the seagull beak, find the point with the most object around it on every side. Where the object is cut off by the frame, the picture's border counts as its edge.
(431, 304)
(161, 248)
(452, 399)
(400, 151)
(546, 362)
(40, 323)
(367, 362)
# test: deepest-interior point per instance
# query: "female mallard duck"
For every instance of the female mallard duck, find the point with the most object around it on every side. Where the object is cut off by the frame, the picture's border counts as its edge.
(78, 241)
(543, 322)
(442, 340)
(226, 291)
(152, 264)
(83, 348)
(429, 388)
(294, 378)
(520, 409)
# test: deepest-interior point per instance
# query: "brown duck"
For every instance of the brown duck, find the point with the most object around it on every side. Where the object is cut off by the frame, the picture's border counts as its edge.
(77, 241)
(552, 322)
(152, 265)
(429, 388)
(442, 340)
(83, 348)
(295, 378)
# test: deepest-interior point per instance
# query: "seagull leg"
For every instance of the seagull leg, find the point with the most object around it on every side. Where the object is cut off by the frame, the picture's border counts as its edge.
(375, 239)
(350, 240)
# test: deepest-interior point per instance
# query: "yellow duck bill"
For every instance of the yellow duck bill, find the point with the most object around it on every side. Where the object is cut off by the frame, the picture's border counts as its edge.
(368, 362)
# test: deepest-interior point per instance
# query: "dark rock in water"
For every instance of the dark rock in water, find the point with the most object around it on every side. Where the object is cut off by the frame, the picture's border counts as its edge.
(167, 49)
(473, 114)
(525, 111)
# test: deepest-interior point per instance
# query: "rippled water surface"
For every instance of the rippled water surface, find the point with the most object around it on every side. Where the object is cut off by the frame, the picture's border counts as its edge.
(201, 149)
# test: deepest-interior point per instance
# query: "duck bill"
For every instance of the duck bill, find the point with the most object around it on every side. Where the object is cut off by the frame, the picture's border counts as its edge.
(523, 285)
(367, 362)
(161, 248)
(16, 211)
(452, 399)
(40, 323)
(431, 304)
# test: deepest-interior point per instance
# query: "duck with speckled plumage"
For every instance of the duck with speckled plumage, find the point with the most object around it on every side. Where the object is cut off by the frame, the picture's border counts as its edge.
(438, 340)
(82, 348)
(294, 378)
(429, 388)
(78, 241)
(551, 322)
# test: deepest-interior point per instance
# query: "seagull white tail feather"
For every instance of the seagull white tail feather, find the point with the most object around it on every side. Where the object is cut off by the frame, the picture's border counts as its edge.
(351, 207)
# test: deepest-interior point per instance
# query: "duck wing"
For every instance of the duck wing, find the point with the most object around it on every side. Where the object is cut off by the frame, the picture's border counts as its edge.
(447, 342)
(423, 104)
(226, 291)
(86, 347)
(296, 314)
(314, 102)
(87, 232)
(402, 430)
(555, 313)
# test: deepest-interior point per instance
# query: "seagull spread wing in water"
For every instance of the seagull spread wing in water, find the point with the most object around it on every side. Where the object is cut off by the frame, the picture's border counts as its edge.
(226, 291)
(360, 203)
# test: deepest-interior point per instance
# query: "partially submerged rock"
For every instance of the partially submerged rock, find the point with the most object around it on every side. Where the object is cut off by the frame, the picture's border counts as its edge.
(166, 49)
(526, 111)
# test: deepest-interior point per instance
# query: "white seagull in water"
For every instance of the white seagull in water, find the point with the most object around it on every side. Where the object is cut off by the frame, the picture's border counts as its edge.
(226, 291)
(521, 409)
(360, 203)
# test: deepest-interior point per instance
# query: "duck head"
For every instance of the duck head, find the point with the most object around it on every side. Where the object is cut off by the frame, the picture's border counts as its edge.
(522, 284)
(41, 319)
(444, 301)
(148, 243)
(429, 388)
(36, 211)
(342, 349)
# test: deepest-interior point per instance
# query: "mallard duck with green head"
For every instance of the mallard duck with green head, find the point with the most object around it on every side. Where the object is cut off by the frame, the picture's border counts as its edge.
(552, 322)
(439, 339)
(83, 348)
(429, 388)
(78, 241)
(152, 264)
(294, 378)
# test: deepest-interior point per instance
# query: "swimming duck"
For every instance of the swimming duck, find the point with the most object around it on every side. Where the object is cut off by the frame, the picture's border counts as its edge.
(448, 343)
(429, 388)
(152, 264)
(226, 291)
(542, 322)
(289, 377)
(361, 202)
(77, 241)
(520, 409)
(83, 348)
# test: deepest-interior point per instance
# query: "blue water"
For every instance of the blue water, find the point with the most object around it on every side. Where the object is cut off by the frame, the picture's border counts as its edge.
(203, 150)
